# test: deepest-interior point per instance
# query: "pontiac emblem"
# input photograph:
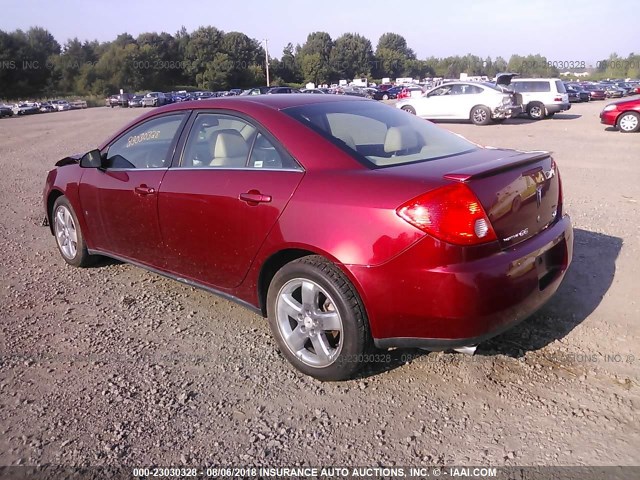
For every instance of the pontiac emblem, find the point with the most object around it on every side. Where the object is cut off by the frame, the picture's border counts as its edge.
(538, 195)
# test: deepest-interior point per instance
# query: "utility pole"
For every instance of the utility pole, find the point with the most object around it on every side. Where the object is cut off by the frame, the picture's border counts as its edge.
(266, 54)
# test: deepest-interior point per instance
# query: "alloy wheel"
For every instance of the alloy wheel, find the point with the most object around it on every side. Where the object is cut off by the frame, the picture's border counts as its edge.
(66, 233)
(309, 322)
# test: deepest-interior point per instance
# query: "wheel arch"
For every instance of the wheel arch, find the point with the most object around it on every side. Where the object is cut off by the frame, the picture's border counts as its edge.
(479, 105)
(280, 258)
(51, 200)
(619, 117)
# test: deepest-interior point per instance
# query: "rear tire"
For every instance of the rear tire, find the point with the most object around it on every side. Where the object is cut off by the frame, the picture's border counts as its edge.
(536, 111)
(69, 237)
(318, 319)
(409, 109)
(629, 122)
(480, 115)
(385, 97)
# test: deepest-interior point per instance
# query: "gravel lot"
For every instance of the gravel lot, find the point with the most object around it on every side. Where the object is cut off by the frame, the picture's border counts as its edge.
(114, 365)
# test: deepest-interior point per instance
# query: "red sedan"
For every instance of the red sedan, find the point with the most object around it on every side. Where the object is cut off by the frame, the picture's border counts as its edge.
(624, 115)
(347, 223)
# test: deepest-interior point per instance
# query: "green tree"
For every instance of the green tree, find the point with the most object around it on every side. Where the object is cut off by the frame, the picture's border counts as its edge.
(352, 56)
(315, 57)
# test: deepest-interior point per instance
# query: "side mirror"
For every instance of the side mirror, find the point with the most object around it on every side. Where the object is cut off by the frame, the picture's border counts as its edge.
(92, 159)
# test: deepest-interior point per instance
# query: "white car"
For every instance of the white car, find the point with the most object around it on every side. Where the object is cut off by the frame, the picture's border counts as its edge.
(63, 105)
(541, 97)
(480, 102)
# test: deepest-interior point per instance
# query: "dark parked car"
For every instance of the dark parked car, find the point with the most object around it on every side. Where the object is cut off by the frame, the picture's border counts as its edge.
(5, 111)
(111, 101)
(46, 107)
(283, 90)
(613, 91)
(135, 101)
(25, 109)
(584, 95)
(624, 115)
(596, 92)
(427, 240)
(256, 91)
(577, 94)
(388, 94)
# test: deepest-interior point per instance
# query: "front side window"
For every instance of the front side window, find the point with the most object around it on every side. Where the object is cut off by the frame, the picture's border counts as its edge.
(444, 90)
(378, 135)
(146, 145)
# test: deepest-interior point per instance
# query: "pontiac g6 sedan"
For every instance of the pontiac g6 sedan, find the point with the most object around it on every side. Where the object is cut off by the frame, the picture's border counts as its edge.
(349, 224)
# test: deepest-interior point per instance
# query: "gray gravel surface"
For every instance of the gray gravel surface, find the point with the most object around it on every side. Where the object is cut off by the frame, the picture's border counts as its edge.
(115, 365)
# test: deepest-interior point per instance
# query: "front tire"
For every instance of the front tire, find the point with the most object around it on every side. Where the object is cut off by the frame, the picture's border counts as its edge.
(318, 319)
(409, 109)
(629, 122)
(536, 111)
(69, 238)
(385, 97)
(480, 115)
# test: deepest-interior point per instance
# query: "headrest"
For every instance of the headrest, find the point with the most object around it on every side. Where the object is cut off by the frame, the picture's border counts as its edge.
(229, 143)
(400, 138)
(348, 139)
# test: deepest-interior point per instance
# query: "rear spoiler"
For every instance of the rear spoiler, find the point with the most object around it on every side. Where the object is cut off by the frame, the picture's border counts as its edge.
(495, 166)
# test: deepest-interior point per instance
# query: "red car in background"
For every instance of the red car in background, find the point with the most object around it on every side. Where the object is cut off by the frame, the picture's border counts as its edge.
(409, 92)
(345, 222)
(624, 115)
(596, 91)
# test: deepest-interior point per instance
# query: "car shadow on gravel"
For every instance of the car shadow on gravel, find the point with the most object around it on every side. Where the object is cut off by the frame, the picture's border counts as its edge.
(589, 278)
(565, 116)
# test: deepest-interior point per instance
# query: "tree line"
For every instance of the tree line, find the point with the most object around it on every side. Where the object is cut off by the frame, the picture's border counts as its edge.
(34, 63)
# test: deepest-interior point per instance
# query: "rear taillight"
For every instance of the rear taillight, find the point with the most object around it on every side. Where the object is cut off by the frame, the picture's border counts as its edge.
(451, 213)
(557, 99)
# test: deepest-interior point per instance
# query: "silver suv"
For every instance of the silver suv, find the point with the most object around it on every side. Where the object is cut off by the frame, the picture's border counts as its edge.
(541, 97)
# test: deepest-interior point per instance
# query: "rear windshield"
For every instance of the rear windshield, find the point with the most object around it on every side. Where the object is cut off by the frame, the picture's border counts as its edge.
(379, 135)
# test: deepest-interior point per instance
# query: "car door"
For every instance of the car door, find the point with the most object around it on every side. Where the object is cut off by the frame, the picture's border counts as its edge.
(220, 200)
(120, 201)
(436, 104)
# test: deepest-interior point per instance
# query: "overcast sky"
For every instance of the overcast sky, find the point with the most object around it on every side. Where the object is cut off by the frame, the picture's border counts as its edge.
(587, 31)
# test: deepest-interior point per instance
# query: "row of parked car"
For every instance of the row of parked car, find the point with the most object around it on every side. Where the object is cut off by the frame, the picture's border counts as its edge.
(31, 107)
(493, 102)
(586, 91)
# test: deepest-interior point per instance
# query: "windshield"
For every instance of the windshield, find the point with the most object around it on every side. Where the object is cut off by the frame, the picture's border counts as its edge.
(379, 135)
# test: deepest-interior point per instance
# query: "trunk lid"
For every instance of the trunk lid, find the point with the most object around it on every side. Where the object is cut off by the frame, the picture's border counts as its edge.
(520, 193)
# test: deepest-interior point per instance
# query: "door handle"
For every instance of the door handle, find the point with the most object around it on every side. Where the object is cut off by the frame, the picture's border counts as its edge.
(144, 190)
(254, 197)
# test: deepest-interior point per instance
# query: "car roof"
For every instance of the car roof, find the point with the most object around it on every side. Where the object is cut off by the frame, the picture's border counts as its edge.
(535, 80)
(277, 102)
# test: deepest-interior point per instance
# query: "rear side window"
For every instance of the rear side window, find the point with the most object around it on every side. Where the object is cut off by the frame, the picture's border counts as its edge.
(225, 141)
(531, 87)
(560, 86)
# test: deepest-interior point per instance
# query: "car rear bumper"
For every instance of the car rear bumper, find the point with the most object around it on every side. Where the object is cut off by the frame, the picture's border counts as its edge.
(411, 304)
(508, 111)
(558, 107)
